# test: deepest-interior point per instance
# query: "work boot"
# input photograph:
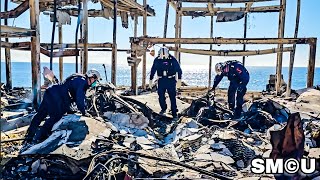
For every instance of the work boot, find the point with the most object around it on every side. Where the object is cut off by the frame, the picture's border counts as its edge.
(162, 112)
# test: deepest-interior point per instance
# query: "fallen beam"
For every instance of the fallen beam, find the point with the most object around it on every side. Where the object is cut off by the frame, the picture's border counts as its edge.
(220, 40)
(231, 52)
(16, 12)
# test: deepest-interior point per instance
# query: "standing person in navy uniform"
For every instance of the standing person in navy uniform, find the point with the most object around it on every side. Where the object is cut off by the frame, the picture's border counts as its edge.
(239, 77)
(56, 102)
(166, 67)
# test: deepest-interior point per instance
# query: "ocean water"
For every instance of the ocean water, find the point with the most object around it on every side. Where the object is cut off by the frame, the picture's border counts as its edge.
(196, 75)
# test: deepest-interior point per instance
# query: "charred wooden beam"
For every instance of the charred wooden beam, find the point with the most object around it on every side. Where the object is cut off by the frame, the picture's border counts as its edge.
(63, 53)
(16, 12)
(144, 60)
(7, 54)
(81, 45)
(60, 58)
(220, 40)
(134, 86)
(282, 16)
(312, 63)
(85, 36)
(114, 47)
(16, 32)
(262, 9)
(35, 52)
(231, 52)
(292, 54)
(210, 57)
(221, 1)
(14, 45)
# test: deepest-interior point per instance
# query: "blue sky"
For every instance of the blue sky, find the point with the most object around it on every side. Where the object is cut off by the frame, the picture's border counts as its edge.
(259, 25)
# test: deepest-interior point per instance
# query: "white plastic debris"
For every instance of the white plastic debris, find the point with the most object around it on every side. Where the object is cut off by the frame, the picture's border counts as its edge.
(219, 157)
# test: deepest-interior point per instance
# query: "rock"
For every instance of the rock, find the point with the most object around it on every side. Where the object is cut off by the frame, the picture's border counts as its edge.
(219, 157)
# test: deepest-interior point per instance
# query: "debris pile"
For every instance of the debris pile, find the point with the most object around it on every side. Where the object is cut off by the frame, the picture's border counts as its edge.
(127, 139)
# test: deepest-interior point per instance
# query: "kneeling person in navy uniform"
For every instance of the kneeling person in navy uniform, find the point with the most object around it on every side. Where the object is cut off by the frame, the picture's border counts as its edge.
(239, 77)
(57, 100)
(166, 67)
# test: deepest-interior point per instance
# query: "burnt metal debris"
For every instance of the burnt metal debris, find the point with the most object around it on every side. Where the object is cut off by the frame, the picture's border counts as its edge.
(126, 139)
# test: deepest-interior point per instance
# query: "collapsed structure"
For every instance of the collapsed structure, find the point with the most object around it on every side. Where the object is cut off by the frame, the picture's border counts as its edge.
(126, 137)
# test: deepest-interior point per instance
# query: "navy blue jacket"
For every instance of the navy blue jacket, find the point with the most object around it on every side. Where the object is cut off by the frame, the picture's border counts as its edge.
(170, 65)
(73, 89)
(235, 72)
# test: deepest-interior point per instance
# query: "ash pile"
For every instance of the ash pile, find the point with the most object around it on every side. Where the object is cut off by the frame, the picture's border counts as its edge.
(127, 139)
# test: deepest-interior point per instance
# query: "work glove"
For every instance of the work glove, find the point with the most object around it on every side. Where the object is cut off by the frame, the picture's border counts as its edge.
(150, 84)
(88, 115)
(179, 84)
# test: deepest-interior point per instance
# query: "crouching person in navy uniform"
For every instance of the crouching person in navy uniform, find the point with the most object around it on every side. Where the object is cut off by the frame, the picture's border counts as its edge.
(239, 77)
(166, 67)
(56, 102)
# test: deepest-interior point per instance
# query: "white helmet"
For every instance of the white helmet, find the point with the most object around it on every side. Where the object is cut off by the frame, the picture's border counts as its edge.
(219, 67)
(163, 53)
(94, 73)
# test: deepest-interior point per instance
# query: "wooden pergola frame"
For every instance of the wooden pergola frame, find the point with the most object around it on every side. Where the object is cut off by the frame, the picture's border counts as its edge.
(141, 43)
(61, 49)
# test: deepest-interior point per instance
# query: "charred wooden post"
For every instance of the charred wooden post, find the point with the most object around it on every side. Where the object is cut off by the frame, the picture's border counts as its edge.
(312, 62)
(282, 16)
(114, 45)
(210, 57)
(7, 54)
(245, 35)
(288, 93)
(179, 33)
(81, 49)
(60, 58)
(35, 52)
(134, 67)
(165, 28)
(176, 35)
(144, 60)
(292, 54)
(85, 36)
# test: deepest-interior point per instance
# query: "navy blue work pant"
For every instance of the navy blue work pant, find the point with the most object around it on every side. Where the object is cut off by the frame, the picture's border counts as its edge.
(240, 89)
(52, 106)
(169, 85)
